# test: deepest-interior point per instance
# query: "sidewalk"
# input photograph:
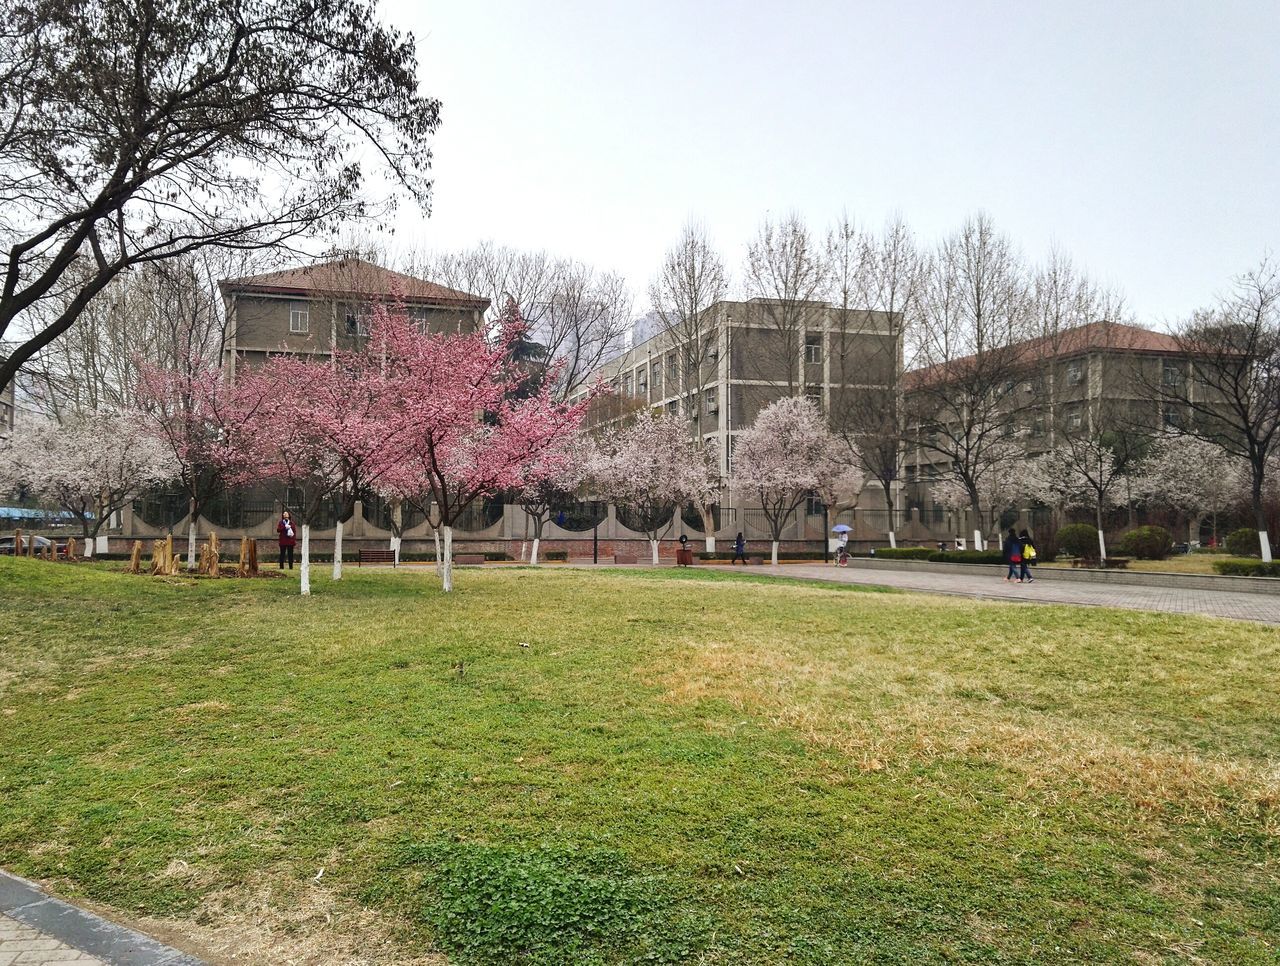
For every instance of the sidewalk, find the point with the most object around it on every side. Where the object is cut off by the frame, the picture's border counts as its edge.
(38, 930)
(989, 584)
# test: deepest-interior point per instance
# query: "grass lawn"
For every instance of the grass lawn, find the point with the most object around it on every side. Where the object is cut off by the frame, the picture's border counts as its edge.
(680, 767)
(1190, 563)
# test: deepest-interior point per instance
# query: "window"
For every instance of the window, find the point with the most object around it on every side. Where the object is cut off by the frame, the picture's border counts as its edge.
(1037, 426)
(642, 384)
(1172, 374)
(813, 348)
(813, 505)
(1075, 419)
(671, 367)
(299, 318)
(1172, 418)
(814, 395)
(418, 316)
(626, 385)
(711, 350)
(1036, 386)
(357, 319)
(672, 407)
(1074, 374)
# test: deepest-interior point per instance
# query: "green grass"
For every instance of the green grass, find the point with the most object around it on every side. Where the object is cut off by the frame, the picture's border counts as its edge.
(696, 766)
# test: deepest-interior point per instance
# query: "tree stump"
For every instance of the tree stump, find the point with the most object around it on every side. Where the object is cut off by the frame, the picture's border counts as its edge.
(72, 551)
(215, 556)
(135, 558)
(17, 542)
(253, 557)
(31, 548)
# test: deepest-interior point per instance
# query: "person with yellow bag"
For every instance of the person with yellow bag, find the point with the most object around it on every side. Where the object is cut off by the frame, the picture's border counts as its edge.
(1028, 556)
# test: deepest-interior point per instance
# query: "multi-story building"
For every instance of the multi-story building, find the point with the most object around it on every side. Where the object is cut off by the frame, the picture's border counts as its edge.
(318, 308)
(745, 357)
(8, 407)
(1093, 377)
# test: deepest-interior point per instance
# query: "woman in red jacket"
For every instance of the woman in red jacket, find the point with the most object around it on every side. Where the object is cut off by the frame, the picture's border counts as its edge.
(288, 538)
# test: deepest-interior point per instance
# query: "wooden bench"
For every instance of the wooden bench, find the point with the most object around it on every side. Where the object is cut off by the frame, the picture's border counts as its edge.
(468, 559)
(369, 555)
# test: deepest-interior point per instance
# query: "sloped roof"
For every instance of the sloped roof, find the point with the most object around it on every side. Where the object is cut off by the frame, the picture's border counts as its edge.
(353, 277)
(1092, 337)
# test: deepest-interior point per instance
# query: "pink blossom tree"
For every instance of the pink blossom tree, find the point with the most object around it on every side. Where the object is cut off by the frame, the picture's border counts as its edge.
(651, 468)
(90, 467)
(787, 454)
(468, 422)
(195, 414)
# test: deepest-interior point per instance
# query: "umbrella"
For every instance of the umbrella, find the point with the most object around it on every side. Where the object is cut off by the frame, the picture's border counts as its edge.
(841, 528)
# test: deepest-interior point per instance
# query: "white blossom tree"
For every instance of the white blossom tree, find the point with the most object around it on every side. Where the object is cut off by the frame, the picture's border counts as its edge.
(1193, 476)
(90, 467)
(1087, 472)
(652, 468)
(786, 455)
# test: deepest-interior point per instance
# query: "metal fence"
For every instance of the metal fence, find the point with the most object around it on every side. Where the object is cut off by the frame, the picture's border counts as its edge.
(580, 515)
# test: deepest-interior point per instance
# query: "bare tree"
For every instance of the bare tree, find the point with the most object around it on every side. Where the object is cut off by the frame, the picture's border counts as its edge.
(871, 274)
(787, 271)
(974, 313)
(1230, 391)
(131, 133)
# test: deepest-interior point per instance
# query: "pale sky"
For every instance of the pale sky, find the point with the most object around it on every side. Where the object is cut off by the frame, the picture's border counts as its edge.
(1144, 137)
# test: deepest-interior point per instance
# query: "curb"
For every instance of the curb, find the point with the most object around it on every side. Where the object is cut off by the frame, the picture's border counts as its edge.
(27, 903)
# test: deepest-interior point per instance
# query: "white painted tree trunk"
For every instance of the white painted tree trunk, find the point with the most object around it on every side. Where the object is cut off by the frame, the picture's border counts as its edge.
(103, 545)
(1264, 542)
(654, 545)
(893, 540)
(1102, 546)
(337, 550)
(191, 545)
(306, 560)
(447, 574)
(711, 543)
(533, 557)
(775, 553)
(88, 547)
(977, 540)
(435, 535)
(395, 550)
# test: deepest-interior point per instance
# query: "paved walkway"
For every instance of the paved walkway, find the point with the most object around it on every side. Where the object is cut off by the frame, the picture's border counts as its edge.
(990, 585)
(38, 930)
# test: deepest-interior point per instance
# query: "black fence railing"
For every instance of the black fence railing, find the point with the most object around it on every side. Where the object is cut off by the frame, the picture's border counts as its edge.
(632, 521)
(480, 515)
(378, 512)
(580, 515)
(161, 508)
(238, 512)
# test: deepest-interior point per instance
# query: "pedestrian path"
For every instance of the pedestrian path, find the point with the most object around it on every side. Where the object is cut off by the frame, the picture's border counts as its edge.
(990, 585)
(38, 930)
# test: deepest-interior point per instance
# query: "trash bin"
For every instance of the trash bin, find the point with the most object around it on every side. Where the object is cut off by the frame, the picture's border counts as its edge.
(684, 557)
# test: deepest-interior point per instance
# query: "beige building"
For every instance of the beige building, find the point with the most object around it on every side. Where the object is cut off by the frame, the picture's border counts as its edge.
(315, 309)
(844, 361)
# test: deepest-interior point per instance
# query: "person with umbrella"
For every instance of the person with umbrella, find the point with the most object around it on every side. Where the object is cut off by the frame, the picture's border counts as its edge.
(842, 544)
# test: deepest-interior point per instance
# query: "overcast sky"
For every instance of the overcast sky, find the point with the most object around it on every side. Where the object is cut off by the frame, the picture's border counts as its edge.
(1144, 137)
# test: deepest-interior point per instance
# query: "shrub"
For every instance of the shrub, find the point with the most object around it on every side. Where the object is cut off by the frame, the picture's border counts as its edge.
(968, 556)
(1147, 543)
(1243, 543)
(1078, 540)
(556, 555)
(1246, 567)
(905, 553)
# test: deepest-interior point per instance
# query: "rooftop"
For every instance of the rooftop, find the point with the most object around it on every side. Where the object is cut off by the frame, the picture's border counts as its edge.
(353, 277)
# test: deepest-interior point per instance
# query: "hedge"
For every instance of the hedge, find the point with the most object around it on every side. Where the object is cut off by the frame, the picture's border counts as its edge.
(905, 553)
(967, 556)
(782, 554)
(556, 555)
(1079, 540)
(1147, 543)
(1244, 543)
(1246, 567)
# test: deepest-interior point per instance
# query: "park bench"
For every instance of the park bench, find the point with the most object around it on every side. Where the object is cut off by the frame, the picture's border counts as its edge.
(370, 555)
(468, 559)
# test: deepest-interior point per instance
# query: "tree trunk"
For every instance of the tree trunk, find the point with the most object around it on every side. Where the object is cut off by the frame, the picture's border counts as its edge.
(653, 544)
(395, 550)
(708, 528)
(397, 528)
(447, 573)
(337, 550)
(1102, 540)
(888, 503)
(191, 544)
(533, 557)
(1260, 518)
(306, 560)
(774, 545)
(435, 535)
(893, 540)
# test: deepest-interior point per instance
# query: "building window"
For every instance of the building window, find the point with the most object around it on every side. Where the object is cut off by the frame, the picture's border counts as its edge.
(418, 316)
(672, 407)
(813, 348)
(813, 505)
(1172, 374)
(1075, 419)
(1074, 374)
(814, 395)
(1172, 418)
(671, 368)
(626, 385)
(299, 318)
(1037, 426)
(642, 385)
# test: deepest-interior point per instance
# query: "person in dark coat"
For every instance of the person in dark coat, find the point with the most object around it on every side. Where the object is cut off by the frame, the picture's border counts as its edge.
(1013, 554)
(1028, 554)
(739, 550)
(288, 537)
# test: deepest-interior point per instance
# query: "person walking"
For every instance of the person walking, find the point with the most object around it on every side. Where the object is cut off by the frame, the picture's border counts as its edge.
(1012, 555)
(288, 538)
(1028, 556)
(739, 550)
